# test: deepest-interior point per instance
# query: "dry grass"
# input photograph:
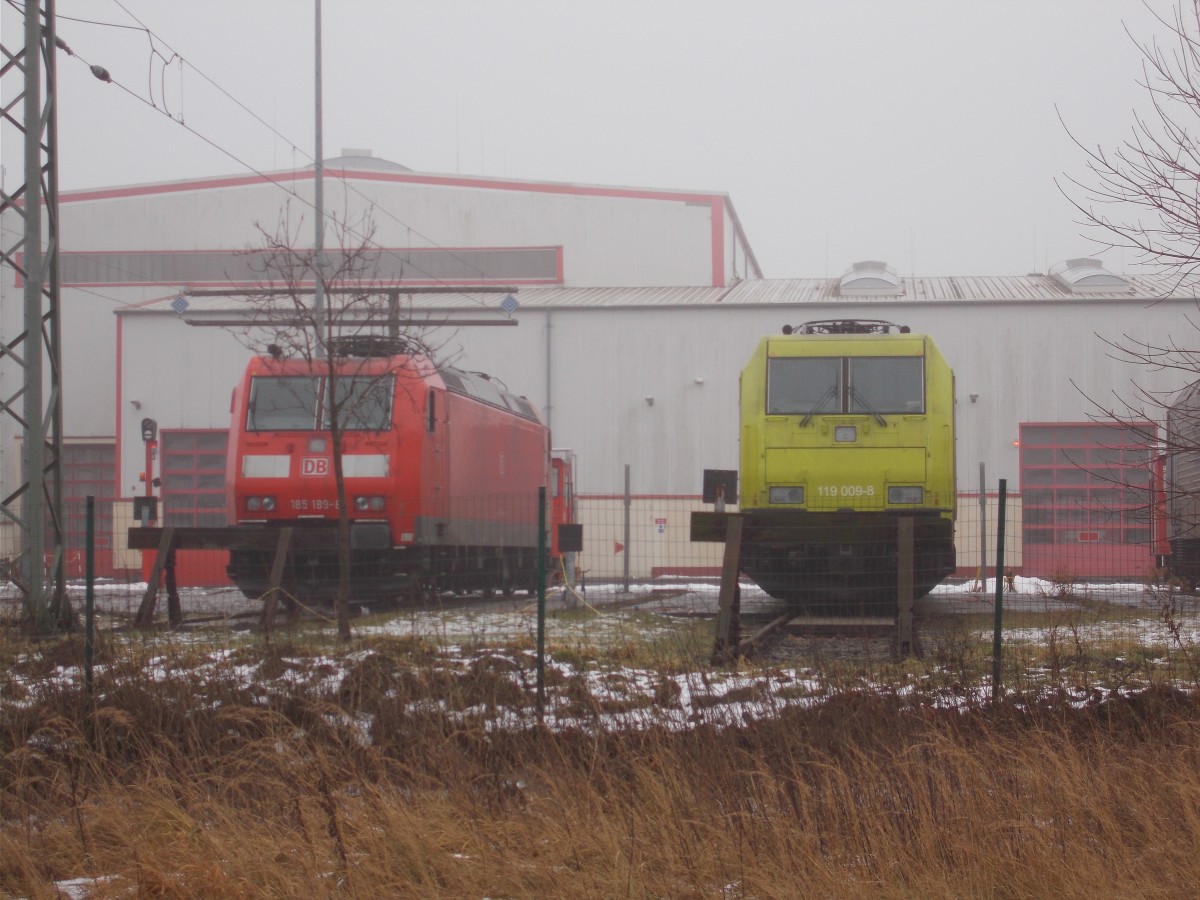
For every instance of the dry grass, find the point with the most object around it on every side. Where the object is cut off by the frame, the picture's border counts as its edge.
(183, 779)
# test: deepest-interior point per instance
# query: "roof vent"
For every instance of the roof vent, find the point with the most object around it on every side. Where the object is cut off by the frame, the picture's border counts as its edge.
(1084, 275)
(359, 158)
(870, 278)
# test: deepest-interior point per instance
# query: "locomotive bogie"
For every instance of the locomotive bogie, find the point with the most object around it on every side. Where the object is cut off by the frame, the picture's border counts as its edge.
(392, 574)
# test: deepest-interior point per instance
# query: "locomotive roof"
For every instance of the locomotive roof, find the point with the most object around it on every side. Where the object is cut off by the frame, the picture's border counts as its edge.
(476, 385)
(486, 389)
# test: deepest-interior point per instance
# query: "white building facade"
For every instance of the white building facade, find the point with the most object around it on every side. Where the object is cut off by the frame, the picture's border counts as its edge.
(636, 310)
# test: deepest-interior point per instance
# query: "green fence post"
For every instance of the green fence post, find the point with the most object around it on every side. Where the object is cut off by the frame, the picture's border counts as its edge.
(541, 605)
(90, 596)
(996, 667)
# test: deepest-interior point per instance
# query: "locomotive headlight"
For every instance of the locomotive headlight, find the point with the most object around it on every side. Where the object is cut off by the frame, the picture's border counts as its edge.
(371, 504)
(845, 433)
(906, 495)
(254, 504)
(786, 495)
(268, 504)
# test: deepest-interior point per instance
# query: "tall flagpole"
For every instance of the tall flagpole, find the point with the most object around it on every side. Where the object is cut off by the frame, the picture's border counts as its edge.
(319, 203)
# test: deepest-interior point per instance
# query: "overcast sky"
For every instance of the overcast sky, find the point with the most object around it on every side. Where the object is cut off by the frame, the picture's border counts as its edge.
(924, 133)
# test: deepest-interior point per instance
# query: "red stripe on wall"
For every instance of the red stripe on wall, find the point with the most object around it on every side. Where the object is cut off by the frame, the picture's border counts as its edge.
(120, 340)
(718, 242)
(306, 175)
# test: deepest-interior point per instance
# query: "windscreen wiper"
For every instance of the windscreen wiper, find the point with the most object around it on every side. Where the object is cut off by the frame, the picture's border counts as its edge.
(855, 395)
(829, 395)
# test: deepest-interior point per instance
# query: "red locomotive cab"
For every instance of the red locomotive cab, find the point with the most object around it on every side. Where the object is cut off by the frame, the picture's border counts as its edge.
(562, 495)
(282, 465)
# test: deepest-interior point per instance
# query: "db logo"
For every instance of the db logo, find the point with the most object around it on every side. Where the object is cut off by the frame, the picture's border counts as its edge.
(314, 465)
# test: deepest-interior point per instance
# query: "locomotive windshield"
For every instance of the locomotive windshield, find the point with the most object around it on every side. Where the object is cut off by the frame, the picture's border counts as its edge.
(283, 404)
(871, 385)
(799, 385)
(298, 402)
(364, 404)
(887, 384)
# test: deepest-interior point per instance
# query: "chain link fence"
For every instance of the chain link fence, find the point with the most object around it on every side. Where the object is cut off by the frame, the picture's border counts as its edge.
(1085, 611)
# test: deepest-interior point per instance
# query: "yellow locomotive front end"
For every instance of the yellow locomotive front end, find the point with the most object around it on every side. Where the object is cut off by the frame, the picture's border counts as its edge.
(846, 427)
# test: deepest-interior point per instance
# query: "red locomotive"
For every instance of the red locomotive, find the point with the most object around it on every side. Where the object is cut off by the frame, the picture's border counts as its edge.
(441, 470)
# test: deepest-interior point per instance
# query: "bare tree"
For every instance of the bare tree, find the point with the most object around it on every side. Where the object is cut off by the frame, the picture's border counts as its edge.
(360, 320)
(1143, 197)
(1173, 450)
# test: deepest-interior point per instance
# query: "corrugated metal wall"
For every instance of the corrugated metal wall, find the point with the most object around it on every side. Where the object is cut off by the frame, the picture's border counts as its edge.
(657, 388)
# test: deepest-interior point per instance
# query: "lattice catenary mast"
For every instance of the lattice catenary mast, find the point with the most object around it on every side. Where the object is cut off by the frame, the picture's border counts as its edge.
(34, 503)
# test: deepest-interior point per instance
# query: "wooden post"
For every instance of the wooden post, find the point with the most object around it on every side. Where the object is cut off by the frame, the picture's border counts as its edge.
(730, 597)
(998, 623)
(906, 644)
(271, 597)
(145, 614)
(174, 610)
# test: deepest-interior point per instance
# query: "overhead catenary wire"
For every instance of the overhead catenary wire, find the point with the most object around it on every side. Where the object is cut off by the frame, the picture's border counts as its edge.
(152, 36)
(292, 192)
(104, 75)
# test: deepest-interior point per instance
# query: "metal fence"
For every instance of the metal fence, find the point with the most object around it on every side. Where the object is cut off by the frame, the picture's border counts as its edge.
(1083, 612)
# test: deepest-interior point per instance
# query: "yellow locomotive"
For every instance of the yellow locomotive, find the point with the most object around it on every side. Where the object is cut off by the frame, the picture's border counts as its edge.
(847, 426)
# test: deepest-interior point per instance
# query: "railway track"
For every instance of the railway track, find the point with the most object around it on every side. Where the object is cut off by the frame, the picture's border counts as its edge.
(767, 631)
(813, 639)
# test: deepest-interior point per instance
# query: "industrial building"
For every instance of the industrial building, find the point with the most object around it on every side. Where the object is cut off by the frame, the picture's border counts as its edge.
(631, 315)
